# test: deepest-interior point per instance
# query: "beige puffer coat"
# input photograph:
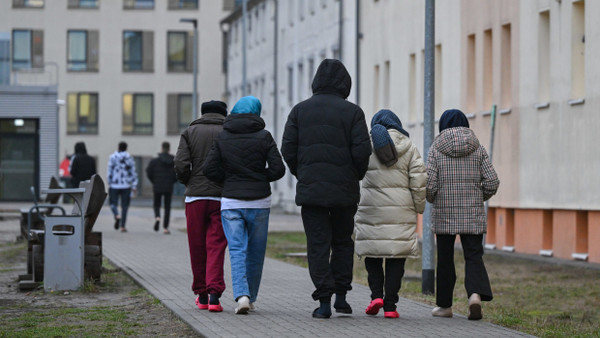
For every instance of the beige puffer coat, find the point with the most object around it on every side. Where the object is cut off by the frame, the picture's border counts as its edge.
(390, 199)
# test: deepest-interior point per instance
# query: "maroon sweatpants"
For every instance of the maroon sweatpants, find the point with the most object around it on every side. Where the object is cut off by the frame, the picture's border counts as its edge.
(207, 246)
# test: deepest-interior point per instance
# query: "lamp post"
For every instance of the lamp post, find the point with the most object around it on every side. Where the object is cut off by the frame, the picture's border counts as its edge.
(195, 66)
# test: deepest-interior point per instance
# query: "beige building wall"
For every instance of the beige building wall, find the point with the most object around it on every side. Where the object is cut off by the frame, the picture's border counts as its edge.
(110, 82)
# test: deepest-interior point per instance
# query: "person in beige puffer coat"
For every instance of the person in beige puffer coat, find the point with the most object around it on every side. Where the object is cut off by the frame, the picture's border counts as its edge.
(392, 193)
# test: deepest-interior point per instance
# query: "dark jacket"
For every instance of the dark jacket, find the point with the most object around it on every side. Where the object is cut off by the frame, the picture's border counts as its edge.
(245, 158)
(83, 166)
(161, 173)
(194, 145)
(326, 143)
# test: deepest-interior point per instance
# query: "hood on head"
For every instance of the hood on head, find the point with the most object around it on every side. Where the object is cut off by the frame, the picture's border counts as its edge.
(332, 77)
(247, 105)
(457, 142)
(80, 148)
(389, 120)
(452, 118)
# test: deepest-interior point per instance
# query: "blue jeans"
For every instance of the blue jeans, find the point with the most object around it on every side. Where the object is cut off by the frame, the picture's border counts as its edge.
(246, 231)
(113, 200)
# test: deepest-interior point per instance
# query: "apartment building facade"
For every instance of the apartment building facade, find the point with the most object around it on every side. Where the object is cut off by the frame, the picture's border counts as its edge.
(123, 68)
(533, 61)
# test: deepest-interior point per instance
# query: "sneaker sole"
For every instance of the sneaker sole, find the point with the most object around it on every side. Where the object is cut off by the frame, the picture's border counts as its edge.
(475, 312)
(242, 310)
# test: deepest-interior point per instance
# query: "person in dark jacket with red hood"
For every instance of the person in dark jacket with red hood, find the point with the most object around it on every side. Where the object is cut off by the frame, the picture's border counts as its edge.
(326, 145)
(161, 173)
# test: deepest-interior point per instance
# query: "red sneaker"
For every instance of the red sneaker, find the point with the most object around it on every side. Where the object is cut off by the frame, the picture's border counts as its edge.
(215, 307)
(391, 314)
(374, 307)
(200, 305)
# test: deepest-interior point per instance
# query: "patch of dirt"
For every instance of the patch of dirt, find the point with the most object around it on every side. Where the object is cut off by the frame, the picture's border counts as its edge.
(133, 310)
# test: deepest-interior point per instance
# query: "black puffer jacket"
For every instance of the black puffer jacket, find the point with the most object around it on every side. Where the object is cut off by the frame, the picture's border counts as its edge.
(194, 145)
(161, 173)
(245, 158)
(326, 142)
(83, 166)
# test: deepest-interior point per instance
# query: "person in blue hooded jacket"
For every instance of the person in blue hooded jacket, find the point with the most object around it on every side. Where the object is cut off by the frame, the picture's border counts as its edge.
(245, 159)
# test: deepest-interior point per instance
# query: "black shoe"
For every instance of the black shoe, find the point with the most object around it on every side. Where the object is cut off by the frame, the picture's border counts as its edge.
(117, 223)
(156, 224)
(323, 311)
(341, 306)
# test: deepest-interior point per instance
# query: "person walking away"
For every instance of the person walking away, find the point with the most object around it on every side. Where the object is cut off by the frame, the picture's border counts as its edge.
(460, 177)
(246, 159)
(82, 166)
(392, 194)
(326, 146)
(161, 173)
(122, 182)
(206, 238)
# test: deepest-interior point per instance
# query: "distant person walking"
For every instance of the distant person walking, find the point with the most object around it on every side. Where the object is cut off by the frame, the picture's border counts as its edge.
(392, 194)
(161, 173)
(460, 177)
(245, 159)
(122, 182)
(326, 146)
(206, 238)
(83, 166)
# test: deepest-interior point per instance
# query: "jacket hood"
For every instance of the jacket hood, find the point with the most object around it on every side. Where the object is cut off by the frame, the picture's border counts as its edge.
(243, 123)
(457, 142)
(247, 105)
(453, 118)
(401, 141)
(209, 118)
(80, 148)
(166, 158)
(332, 78)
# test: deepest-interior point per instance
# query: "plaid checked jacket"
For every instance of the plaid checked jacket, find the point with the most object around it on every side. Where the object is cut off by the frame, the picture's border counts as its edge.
(460, 177)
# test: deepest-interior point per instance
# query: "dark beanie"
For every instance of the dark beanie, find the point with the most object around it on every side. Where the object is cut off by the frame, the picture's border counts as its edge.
(213, 106)
(452, 118)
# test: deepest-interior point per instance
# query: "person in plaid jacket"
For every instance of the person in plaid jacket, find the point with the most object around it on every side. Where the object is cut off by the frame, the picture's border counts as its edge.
(460, 177)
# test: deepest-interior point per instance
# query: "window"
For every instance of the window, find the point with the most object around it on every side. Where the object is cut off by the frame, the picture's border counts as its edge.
(290, 86)
(300, 88)
(578, 50)
(27, 49)
(439, 86)
(82, 4)
(183, 4)
(506, 68)
(138, 51)
(412, 88)
(386, 84)
(138, 4)
(4, 58)
(179, 112)
(180, 51)
(28, 3)
(137, 114)
(82, 113)
(376, 91)
(488, 74)
(82, 50)
(544, 57)
(471, 73)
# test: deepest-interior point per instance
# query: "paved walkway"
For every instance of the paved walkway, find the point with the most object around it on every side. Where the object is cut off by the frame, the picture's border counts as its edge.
(160, 263)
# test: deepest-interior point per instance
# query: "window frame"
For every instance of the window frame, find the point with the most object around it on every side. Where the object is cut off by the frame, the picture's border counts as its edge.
(77, 4)
(135, 127)
(14, 60)
(79, 125)
(128, 62)
(181, 5)
(135, 4)
(28, 4)
(85, 51)
(178, 66)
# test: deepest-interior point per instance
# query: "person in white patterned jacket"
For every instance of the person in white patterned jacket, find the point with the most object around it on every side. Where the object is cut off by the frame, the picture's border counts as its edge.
(122, 181)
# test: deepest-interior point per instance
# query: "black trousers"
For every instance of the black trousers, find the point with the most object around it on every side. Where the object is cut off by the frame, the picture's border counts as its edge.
(167, 199)
(385, 286)
(330, 248)
(476, 277)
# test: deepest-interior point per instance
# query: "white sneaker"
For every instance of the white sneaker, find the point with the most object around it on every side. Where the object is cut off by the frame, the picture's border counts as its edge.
(475, 307)
(251, 308)
(243, 305)
(442, 312)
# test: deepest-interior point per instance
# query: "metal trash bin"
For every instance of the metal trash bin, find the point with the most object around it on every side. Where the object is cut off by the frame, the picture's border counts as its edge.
(63, 253)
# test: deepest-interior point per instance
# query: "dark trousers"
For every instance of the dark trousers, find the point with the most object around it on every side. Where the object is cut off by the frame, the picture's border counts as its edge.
(385, 286)
(167, 199)
(476, 277)
(330, 248)
(113, 200)
(207, 246)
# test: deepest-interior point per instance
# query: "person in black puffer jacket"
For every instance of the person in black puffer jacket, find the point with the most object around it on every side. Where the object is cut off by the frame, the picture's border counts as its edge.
(161, 173)
(83, 166)
(326, 145)
(245, 158)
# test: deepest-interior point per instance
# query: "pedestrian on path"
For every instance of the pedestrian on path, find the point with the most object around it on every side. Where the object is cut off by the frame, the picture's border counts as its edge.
(392, 194)
(206, 238)
(460, 177)
(82, 166)
(122, 183)
(326, 146)
(161, 173)
(245, 159)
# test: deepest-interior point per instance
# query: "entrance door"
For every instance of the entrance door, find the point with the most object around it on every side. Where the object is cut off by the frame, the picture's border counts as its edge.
(19, 159)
